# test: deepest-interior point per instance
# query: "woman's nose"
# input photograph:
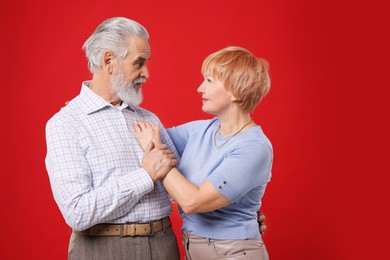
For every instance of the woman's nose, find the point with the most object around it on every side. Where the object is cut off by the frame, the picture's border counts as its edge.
(200, 88)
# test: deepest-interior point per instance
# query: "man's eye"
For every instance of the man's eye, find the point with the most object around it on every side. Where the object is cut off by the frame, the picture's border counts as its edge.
(139, 65)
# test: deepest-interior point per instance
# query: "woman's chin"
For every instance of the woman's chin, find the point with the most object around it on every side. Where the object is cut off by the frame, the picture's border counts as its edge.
(208, 111)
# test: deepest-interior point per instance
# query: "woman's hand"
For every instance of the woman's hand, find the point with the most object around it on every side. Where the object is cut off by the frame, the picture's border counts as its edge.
(146, 133)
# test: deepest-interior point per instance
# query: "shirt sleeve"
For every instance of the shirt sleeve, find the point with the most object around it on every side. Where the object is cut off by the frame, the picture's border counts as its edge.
(243, 169)
(81, 203)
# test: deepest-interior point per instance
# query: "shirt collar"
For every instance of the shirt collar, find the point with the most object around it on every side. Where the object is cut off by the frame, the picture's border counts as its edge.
(92, 102)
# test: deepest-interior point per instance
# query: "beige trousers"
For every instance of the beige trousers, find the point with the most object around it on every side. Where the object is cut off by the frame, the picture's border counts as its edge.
(200, 248)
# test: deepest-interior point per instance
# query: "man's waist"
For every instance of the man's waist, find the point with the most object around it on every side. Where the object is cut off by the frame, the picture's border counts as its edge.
(127, 229)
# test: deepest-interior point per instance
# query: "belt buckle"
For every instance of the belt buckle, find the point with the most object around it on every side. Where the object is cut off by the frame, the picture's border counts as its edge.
(151, 230)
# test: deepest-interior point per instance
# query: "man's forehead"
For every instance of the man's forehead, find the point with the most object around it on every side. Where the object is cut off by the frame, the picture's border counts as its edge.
(139, 48)
(140, 55)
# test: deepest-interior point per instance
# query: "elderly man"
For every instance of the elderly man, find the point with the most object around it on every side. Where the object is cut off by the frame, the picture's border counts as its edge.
(107, 188)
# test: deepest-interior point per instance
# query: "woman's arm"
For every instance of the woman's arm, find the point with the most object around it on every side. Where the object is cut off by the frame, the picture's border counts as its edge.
(193, 199)
(241, 171)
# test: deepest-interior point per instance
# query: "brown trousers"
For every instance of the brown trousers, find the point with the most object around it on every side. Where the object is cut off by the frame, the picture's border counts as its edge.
(162, 245)
(200, 248)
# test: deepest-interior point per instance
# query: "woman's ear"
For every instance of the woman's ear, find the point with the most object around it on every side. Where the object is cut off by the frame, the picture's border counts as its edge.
(232, 97)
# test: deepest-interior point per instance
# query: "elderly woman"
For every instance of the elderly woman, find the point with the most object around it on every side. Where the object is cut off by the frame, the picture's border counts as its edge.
(225, 161)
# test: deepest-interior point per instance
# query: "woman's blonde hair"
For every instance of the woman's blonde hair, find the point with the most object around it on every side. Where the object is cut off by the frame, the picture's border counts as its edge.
(242, 74)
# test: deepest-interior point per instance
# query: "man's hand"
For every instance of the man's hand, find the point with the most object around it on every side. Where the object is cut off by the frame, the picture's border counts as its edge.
(147, 132)
(261, 220)
(158, 160)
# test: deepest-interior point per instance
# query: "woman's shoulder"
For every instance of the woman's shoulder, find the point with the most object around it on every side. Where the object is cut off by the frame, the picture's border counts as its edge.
(254, 139)
(198, 124)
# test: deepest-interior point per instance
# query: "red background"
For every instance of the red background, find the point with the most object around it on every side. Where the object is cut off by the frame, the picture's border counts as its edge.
(327, 113)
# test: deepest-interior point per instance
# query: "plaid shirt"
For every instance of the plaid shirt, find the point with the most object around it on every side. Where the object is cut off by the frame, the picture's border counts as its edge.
(94, 164)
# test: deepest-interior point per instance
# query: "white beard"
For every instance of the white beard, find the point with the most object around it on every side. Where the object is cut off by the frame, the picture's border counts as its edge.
(125, 90)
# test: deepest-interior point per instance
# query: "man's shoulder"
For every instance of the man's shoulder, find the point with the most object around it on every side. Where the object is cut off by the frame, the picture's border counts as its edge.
(67, 113)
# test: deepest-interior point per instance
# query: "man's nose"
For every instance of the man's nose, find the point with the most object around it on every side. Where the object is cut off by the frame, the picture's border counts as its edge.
(144, 72)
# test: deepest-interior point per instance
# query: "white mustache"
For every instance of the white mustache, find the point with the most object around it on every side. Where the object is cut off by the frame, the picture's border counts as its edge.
(139, 80)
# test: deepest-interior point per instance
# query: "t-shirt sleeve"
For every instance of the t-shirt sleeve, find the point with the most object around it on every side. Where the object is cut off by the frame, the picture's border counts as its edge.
(243, 169)
(165, 138)
(181, 134)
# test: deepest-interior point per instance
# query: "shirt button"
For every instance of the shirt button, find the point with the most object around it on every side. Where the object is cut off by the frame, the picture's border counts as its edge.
(219, 187)
(224, 182)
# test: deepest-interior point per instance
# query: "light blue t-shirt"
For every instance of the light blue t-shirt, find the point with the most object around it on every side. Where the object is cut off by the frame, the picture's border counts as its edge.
(240, 170)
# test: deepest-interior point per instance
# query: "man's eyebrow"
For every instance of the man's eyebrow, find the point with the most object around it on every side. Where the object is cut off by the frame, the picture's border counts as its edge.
(141, 59)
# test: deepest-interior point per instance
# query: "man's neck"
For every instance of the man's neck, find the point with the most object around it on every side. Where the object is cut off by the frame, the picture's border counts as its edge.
(101, 85)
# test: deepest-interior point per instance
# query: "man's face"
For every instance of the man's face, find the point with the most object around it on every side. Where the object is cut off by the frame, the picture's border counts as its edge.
(132, 72)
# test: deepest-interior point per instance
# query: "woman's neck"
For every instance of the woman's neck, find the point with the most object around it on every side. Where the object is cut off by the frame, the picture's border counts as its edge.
(233, 122)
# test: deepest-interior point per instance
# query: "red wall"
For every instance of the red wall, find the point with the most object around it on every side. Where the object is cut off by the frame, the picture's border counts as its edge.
(326, 199)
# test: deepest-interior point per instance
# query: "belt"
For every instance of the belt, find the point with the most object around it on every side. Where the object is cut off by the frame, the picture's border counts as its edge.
(128, 229)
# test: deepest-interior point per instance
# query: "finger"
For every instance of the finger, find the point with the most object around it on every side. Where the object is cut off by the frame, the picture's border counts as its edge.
(142, 125)
(174, 162)
(171, 162)
(168, 154)
(260, 217)
(148, 124)
(162, 147)
(156, 131)
(263, 228)
(168, 157)
(137, 128)
(149, 147)
(171, 155)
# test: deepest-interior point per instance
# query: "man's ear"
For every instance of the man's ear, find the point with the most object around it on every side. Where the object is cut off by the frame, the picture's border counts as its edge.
(108, 58)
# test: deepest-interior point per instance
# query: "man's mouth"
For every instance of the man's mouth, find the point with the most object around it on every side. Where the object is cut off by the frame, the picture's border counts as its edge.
(138, 83)
(138, 86)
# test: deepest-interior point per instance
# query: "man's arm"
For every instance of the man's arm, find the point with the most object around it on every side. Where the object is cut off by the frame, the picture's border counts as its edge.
(261, 220)
(82, 202)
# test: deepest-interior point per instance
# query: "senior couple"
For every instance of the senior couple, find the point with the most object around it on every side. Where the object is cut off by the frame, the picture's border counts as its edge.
(113, 167)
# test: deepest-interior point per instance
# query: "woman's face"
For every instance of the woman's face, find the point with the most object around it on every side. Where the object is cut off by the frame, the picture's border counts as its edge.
(216, 100)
